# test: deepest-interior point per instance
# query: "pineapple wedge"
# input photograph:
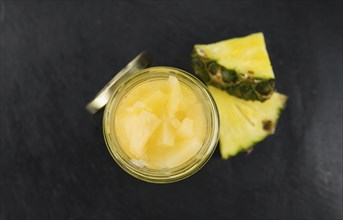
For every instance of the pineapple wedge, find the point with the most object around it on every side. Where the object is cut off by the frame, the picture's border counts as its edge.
(241, 66)
(244, 123)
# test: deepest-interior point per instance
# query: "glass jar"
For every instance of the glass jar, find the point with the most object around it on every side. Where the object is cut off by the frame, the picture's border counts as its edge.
(127, 80)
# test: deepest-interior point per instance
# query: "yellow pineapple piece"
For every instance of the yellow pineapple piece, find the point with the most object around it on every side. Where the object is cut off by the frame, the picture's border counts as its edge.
(244, 123)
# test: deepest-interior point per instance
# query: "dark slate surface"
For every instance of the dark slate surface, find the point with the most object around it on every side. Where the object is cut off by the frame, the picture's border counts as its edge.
(56, 55)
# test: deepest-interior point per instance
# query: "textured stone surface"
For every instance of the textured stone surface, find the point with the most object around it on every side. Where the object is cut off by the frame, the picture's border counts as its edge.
(56, 55)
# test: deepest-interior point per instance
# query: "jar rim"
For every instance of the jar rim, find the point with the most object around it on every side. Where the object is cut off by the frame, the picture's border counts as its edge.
(172, 174)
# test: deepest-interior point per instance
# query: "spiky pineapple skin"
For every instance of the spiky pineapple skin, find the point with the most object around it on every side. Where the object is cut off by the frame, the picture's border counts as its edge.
(245, 85)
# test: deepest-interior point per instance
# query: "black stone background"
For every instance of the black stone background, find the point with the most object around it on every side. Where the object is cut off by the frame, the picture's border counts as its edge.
(56, 55)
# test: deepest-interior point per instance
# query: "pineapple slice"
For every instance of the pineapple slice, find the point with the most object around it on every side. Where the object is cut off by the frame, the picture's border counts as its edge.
(244, 123)
(241, 66)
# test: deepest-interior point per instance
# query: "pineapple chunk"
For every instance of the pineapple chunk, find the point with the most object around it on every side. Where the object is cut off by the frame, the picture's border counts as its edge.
(186, 128)
(175, 122)
(166, 133)
(161, 158)
(175, 95)
(155, 102)
(145, 124)
(137, 107)
(183, 151)
(244, 123)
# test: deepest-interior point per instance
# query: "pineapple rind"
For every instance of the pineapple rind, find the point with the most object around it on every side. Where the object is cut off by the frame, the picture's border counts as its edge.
(240, 66)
